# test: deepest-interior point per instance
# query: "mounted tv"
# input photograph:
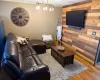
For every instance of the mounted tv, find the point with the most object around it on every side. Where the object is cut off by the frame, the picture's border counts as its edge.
(76, 19)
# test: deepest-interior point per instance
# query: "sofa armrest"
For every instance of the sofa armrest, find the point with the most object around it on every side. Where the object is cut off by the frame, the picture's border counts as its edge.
(11, 69)
(41, 73)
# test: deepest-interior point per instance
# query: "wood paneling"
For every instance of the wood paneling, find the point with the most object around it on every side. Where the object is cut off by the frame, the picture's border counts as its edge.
(85, 8)
(82, 41)
(83, 2)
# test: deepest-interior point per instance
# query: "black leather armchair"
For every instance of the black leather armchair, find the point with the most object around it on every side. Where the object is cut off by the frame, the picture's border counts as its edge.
(22, 64)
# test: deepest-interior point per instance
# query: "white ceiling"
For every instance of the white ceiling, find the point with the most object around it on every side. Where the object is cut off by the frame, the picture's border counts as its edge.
(57, 3)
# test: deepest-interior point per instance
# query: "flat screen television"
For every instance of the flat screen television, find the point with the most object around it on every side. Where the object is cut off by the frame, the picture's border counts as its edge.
(76, 18)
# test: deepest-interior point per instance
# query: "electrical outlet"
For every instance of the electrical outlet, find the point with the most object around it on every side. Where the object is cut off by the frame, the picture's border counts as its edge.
(94, 33)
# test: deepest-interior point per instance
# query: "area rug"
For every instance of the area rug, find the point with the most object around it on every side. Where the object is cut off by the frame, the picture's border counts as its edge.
(57, 71)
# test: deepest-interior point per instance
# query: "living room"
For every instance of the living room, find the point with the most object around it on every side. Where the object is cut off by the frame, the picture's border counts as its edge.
(27, 55)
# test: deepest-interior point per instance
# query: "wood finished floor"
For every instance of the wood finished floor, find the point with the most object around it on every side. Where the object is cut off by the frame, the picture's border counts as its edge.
(92, 73)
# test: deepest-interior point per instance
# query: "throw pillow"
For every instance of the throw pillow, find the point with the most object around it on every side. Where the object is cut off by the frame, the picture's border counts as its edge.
(47, 38)
(21, 40)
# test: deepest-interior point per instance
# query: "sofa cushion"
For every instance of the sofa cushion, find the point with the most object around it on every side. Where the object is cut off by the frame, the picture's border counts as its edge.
(27, 63)
(11, 53)
(26, 52)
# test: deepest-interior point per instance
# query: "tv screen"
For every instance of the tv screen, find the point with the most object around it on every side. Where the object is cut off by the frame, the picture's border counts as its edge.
(76, 18)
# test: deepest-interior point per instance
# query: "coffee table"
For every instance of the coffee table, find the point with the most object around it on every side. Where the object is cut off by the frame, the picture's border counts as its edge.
(64, 58)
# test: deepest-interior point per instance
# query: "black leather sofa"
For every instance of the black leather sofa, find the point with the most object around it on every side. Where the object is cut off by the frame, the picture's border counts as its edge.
(22, 63)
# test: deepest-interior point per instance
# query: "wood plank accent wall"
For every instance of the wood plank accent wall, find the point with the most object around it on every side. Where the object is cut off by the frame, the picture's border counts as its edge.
(82, 41)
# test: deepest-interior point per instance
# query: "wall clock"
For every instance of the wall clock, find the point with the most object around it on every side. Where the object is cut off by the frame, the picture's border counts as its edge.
(19, 16)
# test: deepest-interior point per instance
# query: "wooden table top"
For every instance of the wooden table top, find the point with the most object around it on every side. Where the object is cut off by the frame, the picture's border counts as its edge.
(67, 52)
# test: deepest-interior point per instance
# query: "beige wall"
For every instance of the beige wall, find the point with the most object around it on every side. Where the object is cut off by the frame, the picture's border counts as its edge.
(40, 22)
